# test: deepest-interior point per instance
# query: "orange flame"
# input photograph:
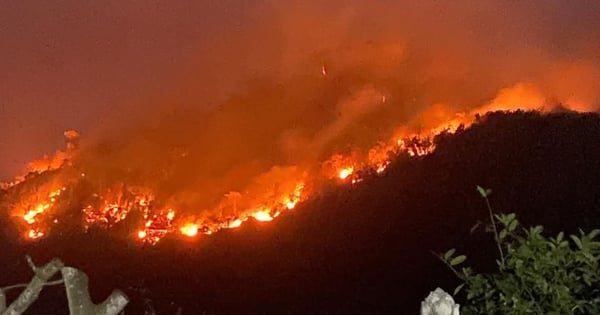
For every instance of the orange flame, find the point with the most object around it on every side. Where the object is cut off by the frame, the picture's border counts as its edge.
(262, 215)
(345, 172)
(189, 229)
(114, 204)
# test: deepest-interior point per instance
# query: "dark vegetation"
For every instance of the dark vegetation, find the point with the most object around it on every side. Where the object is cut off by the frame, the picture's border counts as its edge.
(352, 249)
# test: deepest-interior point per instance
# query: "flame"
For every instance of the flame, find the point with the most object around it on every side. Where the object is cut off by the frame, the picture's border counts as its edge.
(291, 201)
(235, 223)
(34, 234)
(111, 205)
(189, 229)
(345, 172)
(262, 215)
(170, 215)
(114, 204)
(290, 204)
(30, 215)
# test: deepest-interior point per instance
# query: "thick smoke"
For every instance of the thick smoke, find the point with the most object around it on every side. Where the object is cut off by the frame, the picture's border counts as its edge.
(302, 80)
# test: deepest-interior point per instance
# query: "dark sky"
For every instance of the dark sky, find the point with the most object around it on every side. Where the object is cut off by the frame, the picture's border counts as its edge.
(74, 64)
(84, 64)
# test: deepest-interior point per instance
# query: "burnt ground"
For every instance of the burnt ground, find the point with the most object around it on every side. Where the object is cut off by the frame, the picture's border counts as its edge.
(362, 249)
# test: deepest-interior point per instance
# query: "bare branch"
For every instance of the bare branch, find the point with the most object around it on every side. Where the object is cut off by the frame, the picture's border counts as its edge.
(2, 302)
(76, 284)
(32, 290)
(30, 263)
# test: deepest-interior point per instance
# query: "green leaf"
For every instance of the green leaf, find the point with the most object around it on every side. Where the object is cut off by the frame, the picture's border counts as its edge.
(449, 253)
(512, 225)
(458, 288)
(577, 241)
(483, 192)
(594, 233)
(560, 237)
(458, 260)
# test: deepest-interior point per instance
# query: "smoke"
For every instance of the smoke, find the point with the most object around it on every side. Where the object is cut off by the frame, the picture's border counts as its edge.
(266, 100)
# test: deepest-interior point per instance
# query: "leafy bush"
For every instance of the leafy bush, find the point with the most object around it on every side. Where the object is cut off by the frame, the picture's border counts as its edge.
(536, 274)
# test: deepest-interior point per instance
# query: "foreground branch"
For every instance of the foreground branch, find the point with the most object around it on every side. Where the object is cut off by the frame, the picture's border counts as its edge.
(76, 284)
(2, 302)
(32, 291)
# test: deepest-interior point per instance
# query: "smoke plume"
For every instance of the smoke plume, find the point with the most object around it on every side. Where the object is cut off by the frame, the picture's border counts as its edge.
(299, 81)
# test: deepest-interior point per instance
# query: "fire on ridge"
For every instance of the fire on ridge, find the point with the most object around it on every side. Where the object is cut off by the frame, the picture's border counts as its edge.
(38, 206)
(109, 207)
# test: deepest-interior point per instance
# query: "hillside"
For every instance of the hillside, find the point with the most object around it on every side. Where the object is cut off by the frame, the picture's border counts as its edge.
(361, 248)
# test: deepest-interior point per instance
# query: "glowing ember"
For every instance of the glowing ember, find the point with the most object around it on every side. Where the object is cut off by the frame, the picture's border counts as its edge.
(290, 205)
(32, 214)
(291, 201)
(35, 234)
(344, 173)
(170, 215)
(189, 229)
(381, 168)
(142, 234)
(29, 217)
(262, 216)
(356, 180)
(235, 223)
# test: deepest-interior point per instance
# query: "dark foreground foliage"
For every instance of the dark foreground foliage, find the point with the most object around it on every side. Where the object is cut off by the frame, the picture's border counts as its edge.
(535, 274)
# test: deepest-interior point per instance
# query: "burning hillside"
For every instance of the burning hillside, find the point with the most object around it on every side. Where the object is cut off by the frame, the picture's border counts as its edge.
(330, 94)
(376, 232)
(54, 190)
(329, 124)
(40, 199)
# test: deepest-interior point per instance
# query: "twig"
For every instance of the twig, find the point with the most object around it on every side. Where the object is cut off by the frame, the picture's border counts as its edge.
(23, 285)
(496, 236)
(458, 275)
(30, 263)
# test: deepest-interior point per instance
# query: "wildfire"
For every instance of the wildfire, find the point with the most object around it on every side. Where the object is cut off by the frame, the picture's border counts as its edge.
(189, 229)
(30, 215)
(115, 204)
(262, 215)
(291, 201)
(158, 226)
(234, 224)
(109, 206)
(290, 204)
(35, 234)
(33, 212)
(345, 172)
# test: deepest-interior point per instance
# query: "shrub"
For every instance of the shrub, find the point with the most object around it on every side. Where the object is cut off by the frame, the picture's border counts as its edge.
(536, 274)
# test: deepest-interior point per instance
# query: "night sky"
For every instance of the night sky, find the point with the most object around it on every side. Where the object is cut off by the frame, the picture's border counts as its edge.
(75, 65)
(83, 65)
